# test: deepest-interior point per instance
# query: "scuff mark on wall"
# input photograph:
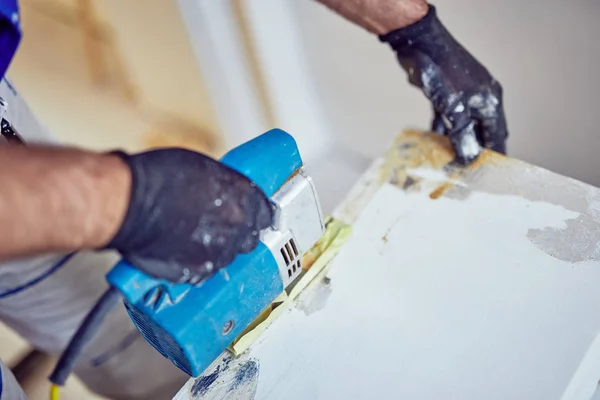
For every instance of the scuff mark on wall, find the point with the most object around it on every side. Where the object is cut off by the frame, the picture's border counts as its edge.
(246, 377)
(204, 382)
(410, 183)
(229, 377)
(315, 297)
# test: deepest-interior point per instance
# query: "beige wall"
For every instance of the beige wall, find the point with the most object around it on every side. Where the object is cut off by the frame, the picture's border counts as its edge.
(545, 52)
(155, 46)
(145, 88)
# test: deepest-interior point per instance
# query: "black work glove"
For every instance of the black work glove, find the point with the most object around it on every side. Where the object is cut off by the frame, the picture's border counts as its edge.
(188, 216)
(466, 99)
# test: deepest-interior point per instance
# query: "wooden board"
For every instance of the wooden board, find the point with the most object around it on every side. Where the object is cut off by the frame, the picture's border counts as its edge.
(478, 283)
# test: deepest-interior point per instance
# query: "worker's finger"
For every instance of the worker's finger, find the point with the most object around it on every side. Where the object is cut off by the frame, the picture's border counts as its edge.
(465, 144)
(438, 125)
(249, 242)
(493, 134)
(488, 110)
(261, 219)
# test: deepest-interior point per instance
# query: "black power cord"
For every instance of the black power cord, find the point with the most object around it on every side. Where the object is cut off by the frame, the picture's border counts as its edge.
(93, 319)
(84, 334)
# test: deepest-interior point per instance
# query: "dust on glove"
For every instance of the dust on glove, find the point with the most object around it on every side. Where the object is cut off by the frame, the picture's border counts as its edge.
(466, 99)
(189, 215)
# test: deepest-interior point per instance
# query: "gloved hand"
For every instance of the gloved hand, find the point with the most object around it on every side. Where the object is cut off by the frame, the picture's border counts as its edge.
(466, 99)
(188, 216)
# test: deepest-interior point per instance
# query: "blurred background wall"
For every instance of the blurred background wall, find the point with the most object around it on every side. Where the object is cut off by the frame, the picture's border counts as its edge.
(213, 74)
(546, 53)
(209, 74)
(106, 73)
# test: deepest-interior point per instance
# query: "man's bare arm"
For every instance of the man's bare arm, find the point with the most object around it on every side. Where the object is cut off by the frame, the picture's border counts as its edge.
(59, 199)
(466, 99)
(173, 213)
(379, 16)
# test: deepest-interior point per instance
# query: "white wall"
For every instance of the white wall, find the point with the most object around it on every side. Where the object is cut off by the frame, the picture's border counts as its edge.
(545, 52)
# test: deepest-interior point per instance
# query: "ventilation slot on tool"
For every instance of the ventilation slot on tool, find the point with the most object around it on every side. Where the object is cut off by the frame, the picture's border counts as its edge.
(290, 255)
(285, 256)
(289, 252)
(160, 339)
(293, 244)
(294, 269)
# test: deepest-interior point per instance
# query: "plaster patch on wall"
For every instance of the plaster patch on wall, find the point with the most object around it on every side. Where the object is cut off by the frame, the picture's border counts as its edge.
(578, 241)
(529, 182)
(593, 201)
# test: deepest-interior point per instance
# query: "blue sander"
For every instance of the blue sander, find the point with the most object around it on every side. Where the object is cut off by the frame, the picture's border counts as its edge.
(192, 325)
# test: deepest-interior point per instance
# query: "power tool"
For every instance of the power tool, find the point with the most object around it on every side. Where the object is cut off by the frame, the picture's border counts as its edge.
(192, 325)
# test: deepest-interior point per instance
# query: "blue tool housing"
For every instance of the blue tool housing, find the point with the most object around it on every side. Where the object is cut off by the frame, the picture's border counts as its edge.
(193, 325)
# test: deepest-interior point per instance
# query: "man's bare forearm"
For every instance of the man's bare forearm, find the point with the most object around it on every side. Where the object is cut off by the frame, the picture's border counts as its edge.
(59, 199)
(379, 16)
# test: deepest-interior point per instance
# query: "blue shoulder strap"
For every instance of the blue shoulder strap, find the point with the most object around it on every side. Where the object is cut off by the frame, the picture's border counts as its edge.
(10, 33)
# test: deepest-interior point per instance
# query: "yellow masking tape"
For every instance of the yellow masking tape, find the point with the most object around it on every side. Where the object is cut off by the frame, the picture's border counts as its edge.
(314, 261)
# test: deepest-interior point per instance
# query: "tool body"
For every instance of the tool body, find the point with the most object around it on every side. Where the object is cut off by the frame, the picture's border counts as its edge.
(192, 325)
